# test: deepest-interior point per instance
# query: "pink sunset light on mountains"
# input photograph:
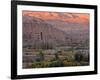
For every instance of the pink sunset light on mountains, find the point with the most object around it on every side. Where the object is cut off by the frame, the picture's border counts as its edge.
(82, 18)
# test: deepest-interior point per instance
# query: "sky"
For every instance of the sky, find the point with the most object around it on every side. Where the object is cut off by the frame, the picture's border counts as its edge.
(82, 18)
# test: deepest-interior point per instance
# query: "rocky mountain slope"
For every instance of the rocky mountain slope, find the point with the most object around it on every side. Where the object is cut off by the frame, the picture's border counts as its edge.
(37, 32)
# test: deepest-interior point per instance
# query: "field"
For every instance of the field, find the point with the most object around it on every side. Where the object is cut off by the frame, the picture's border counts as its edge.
(58, 57)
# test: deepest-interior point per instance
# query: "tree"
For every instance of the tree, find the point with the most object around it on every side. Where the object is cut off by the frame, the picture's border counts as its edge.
(41, 55)
(78, 57)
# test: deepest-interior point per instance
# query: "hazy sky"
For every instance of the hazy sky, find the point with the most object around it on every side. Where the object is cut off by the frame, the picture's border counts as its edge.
(82, 18)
